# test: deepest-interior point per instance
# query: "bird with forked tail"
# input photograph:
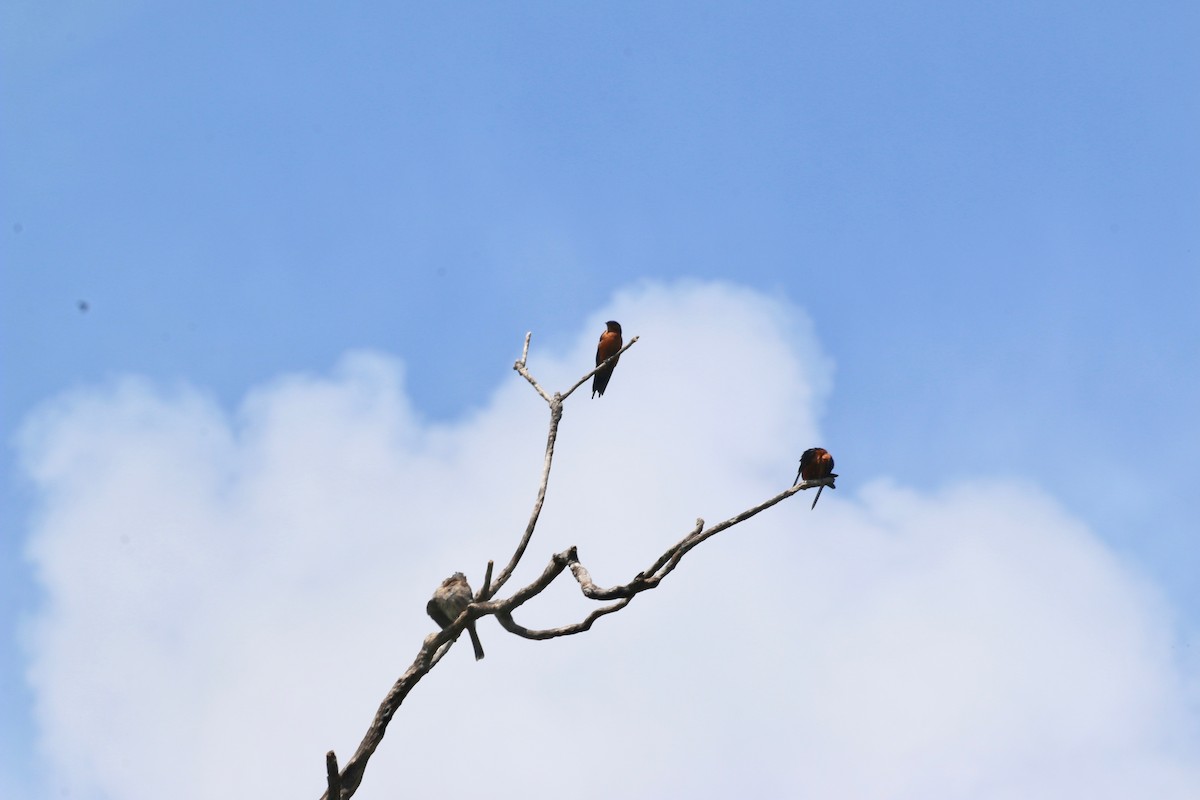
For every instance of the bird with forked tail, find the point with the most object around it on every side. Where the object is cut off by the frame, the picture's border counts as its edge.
(610, 344)
(815, 462)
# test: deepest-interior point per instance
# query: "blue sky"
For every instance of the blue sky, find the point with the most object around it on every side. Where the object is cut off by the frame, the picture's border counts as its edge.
(988, 214)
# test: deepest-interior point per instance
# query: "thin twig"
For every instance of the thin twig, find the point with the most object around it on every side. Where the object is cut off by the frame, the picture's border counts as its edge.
(665, 557)
(551, 437)
(486, 589)
(691, 540)
(509, 624)
(519, 366)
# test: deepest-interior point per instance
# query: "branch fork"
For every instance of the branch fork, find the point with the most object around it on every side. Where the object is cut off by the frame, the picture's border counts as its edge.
(342, 785)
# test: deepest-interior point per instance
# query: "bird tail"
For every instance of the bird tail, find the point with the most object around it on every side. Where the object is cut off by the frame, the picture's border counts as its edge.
(818, 497)
(475, 641)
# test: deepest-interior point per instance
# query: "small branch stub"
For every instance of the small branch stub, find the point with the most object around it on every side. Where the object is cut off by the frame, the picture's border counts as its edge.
(333, 777)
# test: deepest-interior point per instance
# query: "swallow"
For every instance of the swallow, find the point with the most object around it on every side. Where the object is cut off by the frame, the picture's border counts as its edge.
(815, 462)
(449, 601)
(610, 343)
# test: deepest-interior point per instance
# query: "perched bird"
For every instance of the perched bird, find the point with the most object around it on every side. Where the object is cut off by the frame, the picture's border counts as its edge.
(610, 343)
(815, 462)
(449, 601)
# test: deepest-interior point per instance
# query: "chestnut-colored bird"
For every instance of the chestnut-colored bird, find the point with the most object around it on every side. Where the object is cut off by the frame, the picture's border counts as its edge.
(449, 601)
(610, 343)
(815, 462)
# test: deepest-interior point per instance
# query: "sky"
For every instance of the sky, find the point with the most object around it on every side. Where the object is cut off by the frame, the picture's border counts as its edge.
(262, 280)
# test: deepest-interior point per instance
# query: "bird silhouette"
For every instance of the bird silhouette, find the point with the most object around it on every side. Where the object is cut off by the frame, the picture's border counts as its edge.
(815, 462)
(610, 343)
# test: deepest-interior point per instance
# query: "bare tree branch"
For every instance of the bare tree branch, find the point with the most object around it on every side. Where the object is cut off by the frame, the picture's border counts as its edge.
(520, 367)
(681, 549)
(556, 410)
(643, 581)
(343, 786)
(509, 624)
(506, 573)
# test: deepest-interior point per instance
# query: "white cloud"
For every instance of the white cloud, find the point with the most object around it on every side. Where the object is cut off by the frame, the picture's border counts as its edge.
(229, 596)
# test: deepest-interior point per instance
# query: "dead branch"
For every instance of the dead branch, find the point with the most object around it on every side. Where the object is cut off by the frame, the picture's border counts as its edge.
(551, 438)
(643, 581)
(519, 366)
(343, 786)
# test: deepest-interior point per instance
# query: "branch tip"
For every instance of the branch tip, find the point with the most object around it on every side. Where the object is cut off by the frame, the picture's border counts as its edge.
(333, 777)
(485, 590)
